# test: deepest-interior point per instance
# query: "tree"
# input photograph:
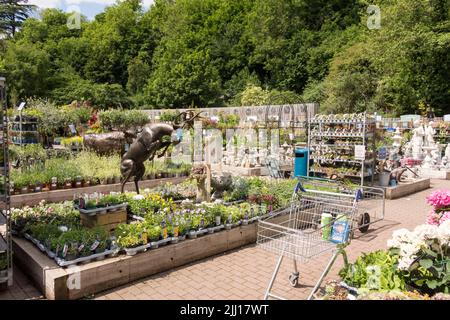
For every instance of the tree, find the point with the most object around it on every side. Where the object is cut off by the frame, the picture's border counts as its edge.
(12, 15)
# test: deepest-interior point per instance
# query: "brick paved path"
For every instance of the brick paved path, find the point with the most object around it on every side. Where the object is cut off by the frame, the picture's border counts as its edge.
(244, 273)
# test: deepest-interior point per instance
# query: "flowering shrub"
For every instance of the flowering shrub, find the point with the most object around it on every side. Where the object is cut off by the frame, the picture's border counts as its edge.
(424, 256)
(440, 200)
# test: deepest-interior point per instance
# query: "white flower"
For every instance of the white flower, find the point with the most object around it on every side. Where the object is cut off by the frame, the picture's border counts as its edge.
(138, 197)
(63, 228)
(405, 262)
(393, 243)
(426, 231)
(444, 232)
(401, 235)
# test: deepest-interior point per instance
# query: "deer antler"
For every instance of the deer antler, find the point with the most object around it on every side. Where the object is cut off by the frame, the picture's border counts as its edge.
(186, 122)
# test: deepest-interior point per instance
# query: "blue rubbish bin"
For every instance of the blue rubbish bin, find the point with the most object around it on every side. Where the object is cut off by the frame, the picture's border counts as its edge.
(301, 162)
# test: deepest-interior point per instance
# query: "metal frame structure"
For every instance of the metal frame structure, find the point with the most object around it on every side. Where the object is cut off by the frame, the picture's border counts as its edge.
(365, 137)
(305, 233)
(5, 221)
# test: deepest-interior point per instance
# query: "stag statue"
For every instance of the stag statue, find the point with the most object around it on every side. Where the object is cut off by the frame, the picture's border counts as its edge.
(153, 138)
(109, 143)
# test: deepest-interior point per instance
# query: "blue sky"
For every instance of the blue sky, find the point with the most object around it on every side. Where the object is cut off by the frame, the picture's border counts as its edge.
(88, 8)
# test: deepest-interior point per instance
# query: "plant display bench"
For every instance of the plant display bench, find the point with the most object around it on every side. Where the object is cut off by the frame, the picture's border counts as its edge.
(31, 199)
(86, 279)
(407, 188)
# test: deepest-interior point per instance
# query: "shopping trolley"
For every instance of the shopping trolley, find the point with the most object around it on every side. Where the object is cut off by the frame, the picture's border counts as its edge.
(322, 219)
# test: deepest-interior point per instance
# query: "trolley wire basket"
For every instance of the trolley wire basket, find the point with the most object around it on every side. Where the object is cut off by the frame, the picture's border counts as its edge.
(320, 220)
(371, 200)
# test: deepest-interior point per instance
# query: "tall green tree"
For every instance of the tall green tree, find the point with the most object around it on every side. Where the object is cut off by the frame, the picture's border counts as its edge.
(12, 15)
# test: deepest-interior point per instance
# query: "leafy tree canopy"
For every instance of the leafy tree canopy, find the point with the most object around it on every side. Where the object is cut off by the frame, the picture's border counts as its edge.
(228, 52)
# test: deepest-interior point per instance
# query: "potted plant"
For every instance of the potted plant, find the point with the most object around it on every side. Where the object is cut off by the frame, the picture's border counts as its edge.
(38, 186)
(383, 173)
(68, 183)
(154, 235)
(54, 183)
(78, 182)
(72, 252)
(87, 182)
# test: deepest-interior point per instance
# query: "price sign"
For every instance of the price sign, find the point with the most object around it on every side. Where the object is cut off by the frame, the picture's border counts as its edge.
(21, 106)
(360, 152)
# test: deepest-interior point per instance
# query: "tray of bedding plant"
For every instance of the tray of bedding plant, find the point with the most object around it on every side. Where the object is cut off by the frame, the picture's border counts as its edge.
(99, 204)
(71, 246)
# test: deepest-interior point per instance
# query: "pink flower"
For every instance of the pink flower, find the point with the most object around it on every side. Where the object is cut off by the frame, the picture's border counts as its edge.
(439, 198)
(433, 218)
(445, 216)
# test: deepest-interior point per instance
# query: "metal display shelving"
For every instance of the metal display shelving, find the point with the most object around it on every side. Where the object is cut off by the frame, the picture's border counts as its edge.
(24, 130)
(333, 140)
(6, 269)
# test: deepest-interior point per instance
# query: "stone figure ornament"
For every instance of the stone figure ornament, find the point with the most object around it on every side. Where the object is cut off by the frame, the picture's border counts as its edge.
(397, 173)
(154, 138)
(417, 140)
(429, 135)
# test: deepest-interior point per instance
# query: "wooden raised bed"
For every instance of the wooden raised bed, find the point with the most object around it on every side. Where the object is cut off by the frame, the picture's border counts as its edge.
(108, 221)
(61, 283)
(32, 199)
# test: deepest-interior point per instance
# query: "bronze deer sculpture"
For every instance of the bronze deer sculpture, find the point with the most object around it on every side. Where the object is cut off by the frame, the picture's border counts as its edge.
(149, 141)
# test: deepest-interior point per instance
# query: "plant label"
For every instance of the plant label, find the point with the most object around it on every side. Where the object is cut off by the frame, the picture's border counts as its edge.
(165, 233)
(175, 231)
(81, 247)
(217, 220)
(94, 246)
(64, 252)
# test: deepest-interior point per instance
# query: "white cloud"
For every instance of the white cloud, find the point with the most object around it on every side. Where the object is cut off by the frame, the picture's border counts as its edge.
(46, 3)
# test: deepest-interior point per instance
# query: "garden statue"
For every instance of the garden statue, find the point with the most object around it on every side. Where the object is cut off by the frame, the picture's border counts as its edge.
(429, 135)
(417, 140)
(153, 138)
(445, 162)
(220, 182)
(447, 151)
(397, 173)
(109, 143)
(200, 173)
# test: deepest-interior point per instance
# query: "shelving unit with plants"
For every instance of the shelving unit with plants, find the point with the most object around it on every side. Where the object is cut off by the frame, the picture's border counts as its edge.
(24, 130)
(342, 145)
(5, 222)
